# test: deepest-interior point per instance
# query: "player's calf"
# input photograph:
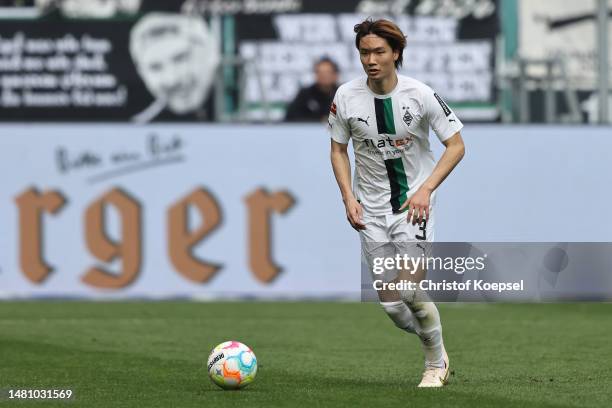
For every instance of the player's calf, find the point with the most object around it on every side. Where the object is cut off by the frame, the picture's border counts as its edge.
(401, 315)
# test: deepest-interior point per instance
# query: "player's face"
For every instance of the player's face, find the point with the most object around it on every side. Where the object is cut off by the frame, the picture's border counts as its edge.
(170, 70)
(377, 57)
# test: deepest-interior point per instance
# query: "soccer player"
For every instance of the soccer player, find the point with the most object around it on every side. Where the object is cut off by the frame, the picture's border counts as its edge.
(388, 116)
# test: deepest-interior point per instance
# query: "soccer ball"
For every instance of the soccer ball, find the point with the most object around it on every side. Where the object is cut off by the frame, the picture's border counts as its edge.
(232, 365)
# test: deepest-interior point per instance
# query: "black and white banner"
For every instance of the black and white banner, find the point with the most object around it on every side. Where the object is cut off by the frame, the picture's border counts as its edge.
(159, 67)
(151, 61)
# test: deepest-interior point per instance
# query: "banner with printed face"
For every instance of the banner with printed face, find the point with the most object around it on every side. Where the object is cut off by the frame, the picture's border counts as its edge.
(159, 68)
(155, 211)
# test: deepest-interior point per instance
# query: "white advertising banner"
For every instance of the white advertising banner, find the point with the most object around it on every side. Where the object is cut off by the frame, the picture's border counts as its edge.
(172, 211)
(112, 211)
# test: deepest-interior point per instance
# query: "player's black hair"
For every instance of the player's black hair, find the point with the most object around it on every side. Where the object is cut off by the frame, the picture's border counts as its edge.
(385, 29)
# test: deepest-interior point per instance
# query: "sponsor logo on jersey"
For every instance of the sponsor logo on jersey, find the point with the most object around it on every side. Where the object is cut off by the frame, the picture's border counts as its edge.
(332, 110)
(380, 143)
(443, 104)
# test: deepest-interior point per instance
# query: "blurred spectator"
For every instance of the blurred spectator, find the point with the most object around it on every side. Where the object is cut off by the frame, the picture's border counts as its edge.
(312, 103)
(177, 58)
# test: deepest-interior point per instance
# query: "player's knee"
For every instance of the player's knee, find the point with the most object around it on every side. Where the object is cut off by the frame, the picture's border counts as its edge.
(408, 296)
(414, 297)
(399, 313)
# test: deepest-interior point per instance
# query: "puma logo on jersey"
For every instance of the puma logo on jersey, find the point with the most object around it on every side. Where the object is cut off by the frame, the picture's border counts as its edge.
(364, 120)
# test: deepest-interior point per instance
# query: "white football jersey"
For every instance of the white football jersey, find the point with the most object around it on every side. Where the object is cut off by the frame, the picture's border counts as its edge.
(390, 138)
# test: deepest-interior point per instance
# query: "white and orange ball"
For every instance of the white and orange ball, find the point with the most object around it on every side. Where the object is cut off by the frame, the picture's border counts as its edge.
(232, 365)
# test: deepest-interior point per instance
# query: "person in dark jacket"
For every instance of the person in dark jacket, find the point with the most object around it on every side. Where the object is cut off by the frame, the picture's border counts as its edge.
(312, 103)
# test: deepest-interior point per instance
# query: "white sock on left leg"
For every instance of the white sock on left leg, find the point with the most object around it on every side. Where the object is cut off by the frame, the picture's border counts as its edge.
(401, 316)
(427, 316)
(433, 347)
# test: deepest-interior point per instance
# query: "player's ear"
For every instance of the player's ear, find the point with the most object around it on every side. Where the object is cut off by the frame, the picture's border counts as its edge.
(395, 55)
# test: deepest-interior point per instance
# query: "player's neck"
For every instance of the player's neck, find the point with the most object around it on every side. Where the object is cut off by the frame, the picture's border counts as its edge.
(383, 86)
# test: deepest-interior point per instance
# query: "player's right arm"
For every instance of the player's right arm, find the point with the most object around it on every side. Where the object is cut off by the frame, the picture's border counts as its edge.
(342, 170)
(339, 131)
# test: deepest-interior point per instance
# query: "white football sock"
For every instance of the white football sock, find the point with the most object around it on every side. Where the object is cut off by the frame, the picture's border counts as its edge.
(401, 316)
(432, 346)
(427, 316)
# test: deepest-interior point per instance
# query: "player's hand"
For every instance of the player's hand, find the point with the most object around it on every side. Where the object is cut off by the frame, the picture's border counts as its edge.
(354, 213)
(418, 206)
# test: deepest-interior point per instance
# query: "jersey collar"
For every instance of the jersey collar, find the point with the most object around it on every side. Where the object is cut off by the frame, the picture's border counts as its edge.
(379, 96)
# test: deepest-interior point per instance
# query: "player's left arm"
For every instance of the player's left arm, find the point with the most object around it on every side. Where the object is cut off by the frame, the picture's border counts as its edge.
(419, 203)
(446, 126)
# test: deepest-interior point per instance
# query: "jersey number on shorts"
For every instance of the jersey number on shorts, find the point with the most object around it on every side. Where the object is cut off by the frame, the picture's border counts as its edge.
(423, 229)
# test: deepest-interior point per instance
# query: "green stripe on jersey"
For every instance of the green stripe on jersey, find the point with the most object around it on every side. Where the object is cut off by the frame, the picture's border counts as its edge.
(384, 116)
(398, 183)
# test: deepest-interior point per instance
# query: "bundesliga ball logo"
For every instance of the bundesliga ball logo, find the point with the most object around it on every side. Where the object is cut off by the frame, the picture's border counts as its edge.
(232, 365)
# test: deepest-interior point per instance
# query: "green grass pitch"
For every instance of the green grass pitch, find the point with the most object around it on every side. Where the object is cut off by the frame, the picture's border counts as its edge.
(152, 354)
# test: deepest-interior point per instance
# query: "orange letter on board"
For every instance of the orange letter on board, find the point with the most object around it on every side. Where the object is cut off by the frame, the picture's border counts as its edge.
(181, 240)
(31, 206)
(260, 206)
(105, 249)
